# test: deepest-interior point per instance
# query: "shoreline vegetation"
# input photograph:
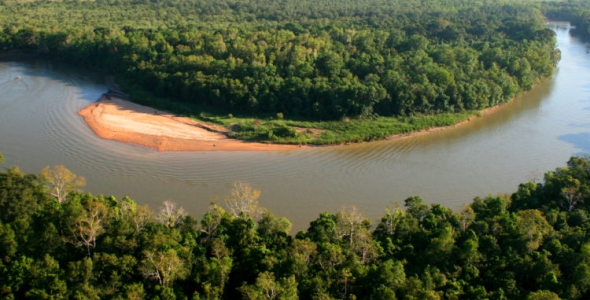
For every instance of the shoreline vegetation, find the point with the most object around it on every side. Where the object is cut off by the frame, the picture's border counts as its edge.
(314, 74)
(295, 72)
(61, 243)
(115, 117)
(213, 133)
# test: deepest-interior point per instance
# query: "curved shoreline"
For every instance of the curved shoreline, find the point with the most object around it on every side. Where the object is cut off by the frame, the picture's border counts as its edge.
(482, 113)
(118, 119)
(121, 120)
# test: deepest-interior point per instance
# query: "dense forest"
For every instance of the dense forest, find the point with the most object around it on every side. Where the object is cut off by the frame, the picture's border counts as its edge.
(575, 11)
(287, 61)
(59, 243)
(300, 60)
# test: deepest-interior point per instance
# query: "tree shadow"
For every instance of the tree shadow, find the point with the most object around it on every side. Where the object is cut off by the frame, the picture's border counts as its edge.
(579, 140)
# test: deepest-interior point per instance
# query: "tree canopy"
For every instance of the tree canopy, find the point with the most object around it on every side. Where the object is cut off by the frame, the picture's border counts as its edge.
(317, 60)
(531, 244)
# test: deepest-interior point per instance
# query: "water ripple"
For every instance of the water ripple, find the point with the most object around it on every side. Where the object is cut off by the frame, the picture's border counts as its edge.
(39, 126)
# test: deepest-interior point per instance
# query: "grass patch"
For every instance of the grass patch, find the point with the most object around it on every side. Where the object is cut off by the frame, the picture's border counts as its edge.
(335, 132)
(276, 129)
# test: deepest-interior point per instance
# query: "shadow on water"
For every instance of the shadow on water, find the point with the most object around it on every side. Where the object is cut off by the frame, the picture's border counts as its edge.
(45, 68)
(579, 140)
(580, 125)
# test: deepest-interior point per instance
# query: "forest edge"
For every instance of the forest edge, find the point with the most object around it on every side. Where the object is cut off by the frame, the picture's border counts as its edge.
(115, 118)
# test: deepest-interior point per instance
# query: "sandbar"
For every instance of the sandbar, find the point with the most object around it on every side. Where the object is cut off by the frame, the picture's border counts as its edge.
(121, 120)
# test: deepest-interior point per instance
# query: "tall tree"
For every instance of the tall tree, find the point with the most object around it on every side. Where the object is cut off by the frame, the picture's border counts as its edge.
(88, 224)
(61, 181)
(171, 215)
(243, 200)
(164, 266)
(268, 288)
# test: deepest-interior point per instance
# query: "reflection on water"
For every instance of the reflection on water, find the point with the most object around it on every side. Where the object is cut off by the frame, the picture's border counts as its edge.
(536, 132)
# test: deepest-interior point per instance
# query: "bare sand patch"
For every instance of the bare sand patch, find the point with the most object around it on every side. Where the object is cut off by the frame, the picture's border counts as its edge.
(117, 119)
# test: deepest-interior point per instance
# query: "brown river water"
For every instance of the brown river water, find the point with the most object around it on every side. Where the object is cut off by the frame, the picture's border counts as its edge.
(535, 133)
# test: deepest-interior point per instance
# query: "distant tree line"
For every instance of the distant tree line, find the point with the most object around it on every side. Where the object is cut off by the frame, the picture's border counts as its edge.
(317, 60)
(532, 244)
(575, 11)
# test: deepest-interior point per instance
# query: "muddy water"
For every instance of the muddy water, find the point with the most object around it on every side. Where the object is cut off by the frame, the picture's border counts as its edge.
(535, 133)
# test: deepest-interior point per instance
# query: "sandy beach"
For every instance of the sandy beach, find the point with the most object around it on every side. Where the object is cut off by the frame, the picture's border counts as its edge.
(121, 120)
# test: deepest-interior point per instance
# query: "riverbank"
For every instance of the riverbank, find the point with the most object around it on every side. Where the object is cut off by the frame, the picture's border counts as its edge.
(114, 118)
(121, 120)
(482, 113)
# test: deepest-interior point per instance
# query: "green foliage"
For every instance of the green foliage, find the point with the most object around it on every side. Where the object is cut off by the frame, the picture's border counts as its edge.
(300, 72)
(312, 60)
(271, 131)
(334, 132)
(97, 247)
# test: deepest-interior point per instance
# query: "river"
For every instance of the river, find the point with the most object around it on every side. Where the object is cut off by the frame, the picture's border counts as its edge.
(535, 133)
